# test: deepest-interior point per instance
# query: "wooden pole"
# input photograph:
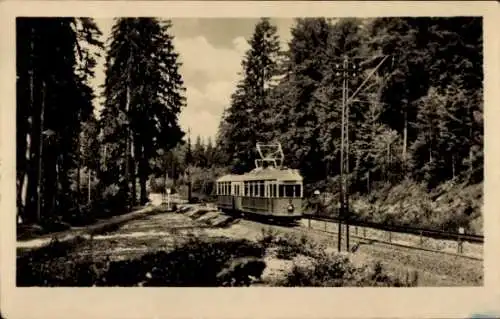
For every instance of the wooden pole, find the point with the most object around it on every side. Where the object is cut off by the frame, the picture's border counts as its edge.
(341, 197)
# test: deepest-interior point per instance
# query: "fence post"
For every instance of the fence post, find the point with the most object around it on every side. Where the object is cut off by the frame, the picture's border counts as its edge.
(460, 247)
(421, 239)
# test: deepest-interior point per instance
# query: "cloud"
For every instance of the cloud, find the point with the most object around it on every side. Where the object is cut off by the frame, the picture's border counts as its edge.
(201, 123)
(210, 74)
(204, 108)
(199, 56)
(241, 45)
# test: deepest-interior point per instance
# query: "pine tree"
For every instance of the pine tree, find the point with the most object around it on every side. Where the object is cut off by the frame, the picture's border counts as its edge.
(295, 101)
(144, 95)
(247, 118)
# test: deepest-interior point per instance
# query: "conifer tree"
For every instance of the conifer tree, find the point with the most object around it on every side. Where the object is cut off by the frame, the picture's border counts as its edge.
(144, 95)
(247, 116)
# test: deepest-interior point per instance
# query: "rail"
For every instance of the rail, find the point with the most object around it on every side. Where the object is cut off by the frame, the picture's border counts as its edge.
(436, 234)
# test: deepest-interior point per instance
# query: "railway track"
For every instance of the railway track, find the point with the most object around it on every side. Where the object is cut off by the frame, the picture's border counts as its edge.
(464, 246)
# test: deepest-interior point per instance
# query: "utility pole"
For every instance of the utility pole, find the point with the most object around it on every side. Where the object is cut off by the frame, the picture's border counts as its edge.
(348, 70)
(342, 134)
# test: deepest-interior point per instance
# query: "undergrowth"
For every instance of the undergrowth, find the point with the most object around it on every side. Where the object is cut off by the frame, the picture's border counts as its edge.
(195, 263)
(328, 269)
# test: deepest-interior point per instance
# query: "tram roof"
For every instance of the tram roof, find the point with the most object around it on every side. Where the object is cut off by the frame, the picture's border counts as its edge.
(260, 174)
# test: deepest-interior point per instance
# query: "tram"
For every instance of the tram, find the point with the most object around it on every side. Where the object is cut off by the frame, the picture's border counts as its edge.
(269, 190)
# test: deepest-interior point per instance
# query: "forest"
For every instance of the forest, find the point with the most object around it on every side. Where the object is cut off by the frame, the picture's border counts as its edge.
(415, 127)
(415, 123)
(74, 164)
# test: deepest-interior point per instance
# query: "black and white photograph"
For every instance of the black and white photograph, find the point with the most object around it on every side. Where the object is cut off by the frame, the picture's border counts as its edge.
(267, 151)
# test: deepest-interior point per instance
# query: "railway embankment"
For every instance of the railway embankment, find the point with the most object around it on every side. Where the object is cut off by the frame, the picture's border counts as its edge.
(447, 207)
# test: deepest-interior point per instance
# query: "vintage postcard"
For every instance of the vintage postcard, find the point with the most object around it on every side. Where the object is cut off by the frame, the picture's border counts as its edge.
(227, 159)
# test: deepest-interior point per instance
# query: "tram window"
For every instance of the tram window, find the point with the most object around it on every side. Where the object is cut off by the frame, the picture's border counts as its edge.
(297, 190)
(289, 190)
(261, 189)
(282, 191)
(275, 190)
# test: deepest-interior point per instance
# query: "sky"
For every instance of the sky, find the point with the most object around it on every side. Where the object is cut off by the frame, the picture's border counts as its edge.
(211, 51)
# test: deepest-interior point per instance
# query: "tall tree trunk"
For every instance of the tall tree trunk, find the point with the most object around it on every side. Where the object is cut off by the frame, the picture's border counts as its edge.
(40, 156)
(50, 178)
(78, 169)
(127, 141)
(405, 139)
(453, 165)
(470, 149)
(368, 181)
(88, 186)
(64, 182)
(32, 176)
(133, 165)
(23, 145)
(143, 177)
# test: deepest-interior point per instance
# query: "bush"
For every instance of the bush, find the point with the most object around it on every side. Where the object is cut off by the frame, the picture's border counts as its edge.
(288, 245)
(337, 271)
